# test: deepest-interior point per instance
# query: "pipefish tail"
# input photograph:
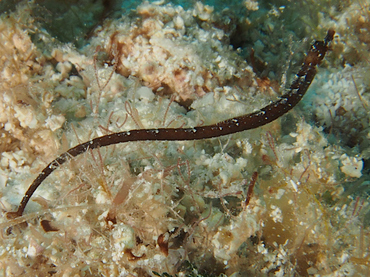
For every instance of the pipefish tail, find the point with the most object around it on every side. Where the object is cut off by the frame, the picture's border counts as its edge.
(253, 120)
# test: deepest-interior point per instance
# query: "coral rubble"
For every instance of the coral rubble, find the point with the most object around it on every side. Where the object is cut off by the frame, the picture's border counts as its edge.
(166, 208)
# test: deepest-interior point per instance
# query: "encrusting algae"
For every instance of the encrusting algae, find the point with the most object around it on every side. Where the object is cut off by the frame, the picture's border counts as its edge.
(165, 208)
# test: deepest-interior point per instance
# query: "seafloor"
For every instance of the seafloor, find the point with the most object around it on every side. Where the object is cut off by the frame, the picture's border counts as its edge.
(74, 70)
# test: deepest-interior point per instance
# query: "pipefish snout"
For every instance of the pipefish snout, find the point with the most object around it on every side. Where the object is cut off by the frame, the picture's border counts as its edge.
(249, 121)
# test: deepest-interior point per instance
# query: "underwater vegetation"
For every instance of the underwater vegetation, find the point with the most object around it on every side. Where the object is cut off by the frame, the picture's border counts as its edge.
(289, 198)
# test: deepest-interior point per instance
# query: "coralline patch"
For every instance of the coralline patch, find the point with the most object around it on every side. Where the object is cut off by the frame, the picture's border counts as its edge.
(28, 134)
(133, 209)
(174, 51)
(24, 107)
(352, 24)
(341, 106)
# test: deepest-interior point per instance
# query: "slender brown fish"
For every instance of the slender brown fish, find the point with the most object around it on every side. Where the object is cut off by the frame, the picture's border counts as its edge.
(237, 124)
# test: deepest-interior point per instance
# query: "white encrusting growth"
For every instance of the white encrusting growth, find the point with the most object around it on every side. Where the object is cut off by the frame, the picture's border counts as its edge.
(190, 192)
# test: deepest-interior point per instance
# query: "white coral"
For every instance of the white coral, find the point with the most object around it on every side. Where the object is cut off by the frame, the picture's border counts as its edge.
(352, 166)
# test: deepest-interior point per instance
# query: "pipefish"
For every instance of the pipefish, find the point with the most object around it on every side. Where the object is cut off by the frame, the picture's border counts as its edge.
(269, 113)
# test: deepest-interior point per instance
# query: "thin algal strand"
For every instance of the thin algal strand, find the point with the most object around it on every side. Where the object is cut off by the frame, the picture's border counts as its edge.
(230, 126)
